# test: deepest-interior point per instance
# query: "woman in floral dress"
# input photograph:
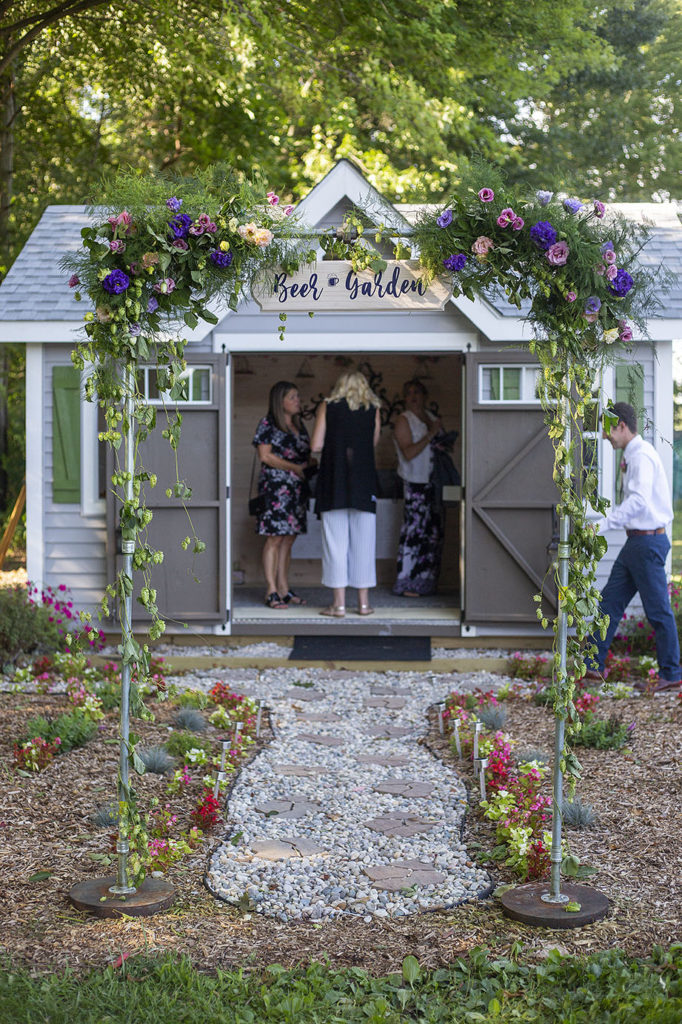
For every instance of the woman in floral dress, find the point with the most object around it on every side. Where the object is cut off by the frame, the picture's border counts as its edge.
(284, 452)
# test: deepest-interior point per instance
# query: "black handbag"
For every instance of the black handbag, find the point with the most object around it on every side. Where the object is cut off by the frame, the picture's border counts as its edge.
(257, 503)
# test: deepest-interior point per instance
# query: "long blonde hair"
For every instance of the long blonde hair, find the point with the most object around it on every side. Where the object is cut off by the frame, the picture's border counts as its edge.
(354, 388)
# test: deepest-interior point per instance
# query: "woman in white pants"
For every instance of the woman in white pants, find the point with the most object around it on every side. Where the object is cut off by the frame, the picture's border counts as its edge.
(347, 428)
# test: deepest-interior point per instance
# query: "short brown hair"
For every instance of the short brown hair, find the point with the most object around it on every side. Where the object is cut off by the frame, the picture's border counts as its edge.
(625, 413)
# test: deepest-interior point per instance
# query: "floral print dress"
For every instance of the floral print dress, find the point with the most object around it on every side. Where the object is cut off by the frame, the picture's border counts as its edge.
(286, 495)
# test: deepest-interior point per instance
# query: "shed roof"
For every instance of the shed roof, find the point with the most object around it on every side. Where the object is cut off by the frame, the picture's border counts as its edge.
(35, 288)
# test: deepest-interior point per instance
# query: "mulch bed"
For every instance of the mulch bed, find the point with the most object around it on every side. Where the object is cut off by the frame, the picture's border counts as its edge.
(45, 826)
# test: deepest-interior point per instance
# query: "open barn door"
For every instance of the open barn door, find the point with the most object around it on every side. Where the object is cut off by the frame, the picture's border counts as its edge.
(191, 587)
(510, 504)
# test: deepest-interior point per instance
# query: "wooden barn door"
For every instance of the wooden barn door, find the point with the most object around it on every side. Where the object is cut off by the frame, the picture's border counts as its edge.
(510, 503)
(191, 587)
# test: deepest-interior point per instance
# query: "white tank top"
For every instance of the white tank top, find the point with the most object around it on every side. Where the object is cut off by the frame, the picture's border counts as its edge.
(418, 469)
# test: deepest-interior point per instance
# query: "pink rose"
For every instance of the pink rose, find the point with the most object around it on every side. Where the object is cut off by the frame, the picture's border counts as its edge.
(179, 243)
(482, 245)
(609, 256)
(625, 331)
(196, 229)
(165, 287)
(486, 195)
(557, 254)
(288, 210)
(272, 198)
(118, 245)
(506, 217)
(611, 272)
(204, 220)
(517, 223)
(600, 269)
(571, 296)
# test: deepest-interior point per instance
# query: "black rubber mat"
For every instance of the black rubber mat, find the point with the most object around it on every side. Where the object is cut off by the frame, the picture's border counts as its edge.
(361, 648)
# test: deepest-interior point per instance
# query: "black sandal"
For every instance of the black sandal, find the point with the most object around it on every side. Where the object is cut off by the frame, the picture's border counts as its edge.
(273, 600)
(291, 597)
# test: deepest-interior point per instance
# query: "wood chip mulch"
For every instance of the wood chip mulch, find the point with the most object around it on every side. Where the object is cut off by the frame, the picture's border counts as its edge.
(45, 826)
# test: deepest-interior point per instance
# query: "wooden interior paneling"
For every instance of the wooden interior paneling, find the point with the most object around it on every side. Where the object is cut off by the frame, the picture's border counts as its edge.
(314, 375)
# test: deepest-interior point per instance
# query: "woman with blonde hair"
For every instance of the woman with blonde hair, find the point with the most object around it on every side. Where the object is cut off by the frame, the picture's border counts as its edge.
(347, 428)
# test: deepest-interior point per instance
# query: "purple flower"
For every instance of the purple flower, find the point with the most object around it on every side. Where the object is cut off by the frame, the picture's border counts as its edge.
(134, 329)
(517, 223)
(153, 304)
(179, 243)
(605, 246)
(571, 296)
(74, 280)
(609, 256)
(612, 272)
(624, 331)
(486, 195)
(593, 305)
(543, 234)
(180, 225)
(445, 218)
(118, 245)
(599, 209)
(115, 282)
(621, 284)
(288, 210)
(557, 254)
(165, 287)
(506, 218)
(196, 229)
(456, 262)
(544, 197)
(220, 259)
(573, 205)
(174, 204)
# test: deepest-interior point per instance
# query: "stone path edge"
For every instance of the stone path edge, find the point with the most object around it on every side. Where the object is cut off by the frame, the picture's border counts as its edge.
(179, 663)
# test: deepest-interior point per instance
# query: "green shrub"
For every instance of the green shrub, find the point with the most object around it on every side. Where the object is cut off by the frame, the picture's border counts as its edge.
(576, 814)
(156, 760)
(190, 720)
(193, 699)
(25, 627)
(493, 717)
(602, 733)
(109, 692)
(529, 754)
(180, 742)
(73, 728)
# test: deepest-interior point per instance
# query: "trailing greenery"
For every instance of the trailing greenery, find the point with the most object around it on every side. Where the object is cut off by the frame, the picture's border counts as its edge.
(610, 988)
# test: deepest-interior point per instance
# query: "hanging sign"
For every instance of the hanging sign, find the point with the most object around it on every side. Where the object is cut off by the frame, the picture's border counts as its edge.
(333, 286)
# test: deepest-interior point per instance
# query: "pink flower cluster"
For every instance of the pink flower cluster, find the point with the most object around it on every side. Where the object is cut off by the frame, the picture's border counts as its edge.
(508, 218)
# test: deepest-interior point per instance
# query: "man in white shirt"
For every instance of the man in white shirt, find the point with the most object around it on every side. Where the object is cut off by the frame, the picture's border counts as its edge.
(644, 514)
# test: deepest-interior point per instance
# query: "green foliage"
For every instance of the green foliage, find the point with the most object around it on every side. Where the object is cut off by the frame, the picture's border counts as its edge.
(607, 987)
(529, 754)
(603, 734)
(156, 759)
(74, 729)
(191, 720)
(576, 814)
(25, 627)
(180, 742)
(493, 717)
(193, 699)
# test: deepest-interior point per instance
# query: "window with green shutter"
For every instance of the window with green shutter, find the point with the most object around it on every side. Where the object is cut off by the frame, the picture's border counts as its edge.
(66, 435)
(630, 389)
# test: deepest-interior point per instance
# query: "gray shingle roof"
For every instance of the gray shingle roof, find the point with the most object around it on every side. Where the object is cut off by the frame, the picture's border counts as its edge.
(36, 289)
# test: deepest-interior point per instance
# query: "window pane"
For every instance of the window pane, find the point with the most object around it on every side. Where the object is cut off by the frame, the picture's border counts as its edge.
(152, 384)
(200, 390)
(490, 384)
(511, 385)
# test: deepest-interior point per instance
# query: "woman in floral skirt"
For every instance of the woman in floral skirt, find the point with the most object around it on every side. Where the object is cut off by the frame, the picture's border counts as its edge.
(421, 535)
(284, 452)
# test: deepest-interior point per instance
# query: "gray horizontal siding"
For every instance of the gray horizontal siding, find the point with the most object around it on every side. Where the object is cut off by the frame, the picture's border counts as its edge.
(75, 546)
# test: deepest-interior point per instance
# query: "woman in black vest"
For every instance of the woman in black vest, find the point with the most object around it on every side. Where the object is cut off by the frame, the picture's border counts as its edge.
(347, 428)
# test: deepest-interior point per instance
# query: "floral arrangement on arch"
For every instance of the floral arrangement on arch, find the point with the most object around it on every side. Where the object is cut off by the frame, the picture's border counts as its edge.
(572, 258)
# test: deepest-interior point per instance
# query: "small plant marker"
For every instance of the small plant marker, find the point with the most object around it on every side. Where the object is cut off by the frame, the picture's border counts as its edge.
(441, 726)
(458, 742)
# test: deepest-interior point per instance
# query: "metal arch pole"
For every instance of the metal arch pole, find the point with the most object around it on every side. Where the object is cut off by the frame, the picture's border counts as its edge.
(123, 886)
(555, 895)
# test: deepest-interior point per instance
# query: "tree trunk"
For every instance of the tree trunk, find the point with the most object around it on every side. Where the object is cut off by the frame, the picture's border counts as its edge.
(8, 113)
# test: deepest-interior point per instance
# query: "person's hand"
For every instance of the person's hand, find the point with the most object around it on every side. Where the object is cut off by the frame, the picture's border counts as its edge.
(436, 425)
(312, 463)
(298, 469)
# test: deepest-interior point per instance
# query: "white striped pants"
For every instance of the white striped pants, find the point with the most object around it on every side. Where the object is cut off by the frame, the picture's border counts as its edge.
(348, 548)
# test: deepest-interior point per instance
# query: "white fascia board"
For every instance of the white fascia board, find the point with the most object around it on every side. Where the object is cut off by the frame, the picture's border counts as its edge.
(344, 180)
(35, 481)
(370, 342)
(490, 323)
(40, 331)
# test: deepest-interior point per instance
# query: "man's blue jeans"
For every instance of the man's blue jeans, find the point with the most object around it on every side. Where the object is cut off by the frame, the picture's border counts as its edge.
(640, 566)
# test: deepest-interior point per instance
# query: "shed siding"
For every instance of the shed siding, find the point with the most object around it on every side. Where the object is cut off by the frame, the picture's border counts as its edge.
(74, 545)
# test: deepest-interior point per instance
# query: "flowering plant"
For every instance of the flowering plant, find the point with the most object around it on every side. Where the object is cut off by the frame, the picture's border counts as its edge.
(34, 755)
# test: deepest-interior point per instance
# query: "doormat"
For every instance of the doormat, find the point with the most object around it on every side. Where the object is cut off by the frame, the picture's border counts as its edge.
(361, 648)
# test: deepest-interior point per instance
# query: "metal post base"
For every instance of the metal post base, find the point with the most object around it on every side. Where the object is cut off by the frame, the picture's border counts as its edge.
(96, 897)
(527, 903)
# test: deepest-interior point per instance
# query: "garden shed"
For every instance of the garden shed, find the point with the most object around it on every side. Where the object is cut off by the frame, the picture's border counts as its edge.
(501, 528)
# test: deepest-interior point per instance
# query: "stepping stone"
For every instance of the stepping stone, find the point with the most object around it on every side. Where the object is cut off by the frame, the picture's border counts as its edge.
(403, 875)
(303, 693)
(288, 807)
(319, 716)
(382, 690)
(302, 771)
(405, 787)
(395, 703)
(392, 761)
(284, 849)
(389, 731)
(399, 825)
(321, 738)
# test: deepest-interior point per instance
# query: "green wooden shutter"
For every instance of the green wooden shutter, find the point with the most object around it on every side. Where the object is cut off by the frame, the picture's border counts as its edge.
(629, 388)
(66, 435)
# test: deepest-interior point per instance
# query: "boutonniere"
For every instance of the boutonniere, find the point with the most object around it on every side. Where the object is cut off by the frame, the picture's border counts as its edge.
(623, 465)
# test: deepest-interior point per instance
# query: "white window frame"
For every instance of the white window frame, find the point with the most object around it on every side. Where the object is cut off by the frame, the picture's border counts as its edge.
(188, 373)
(529, 379)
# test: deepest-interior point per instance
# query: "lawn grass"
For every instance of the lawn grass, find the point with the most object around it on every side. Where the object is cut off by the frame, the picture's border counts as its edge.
(607, 987)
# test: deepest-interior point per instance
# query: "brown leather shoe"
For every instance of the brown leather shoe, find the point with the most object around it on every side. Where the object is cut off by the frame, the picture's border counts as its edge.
(660, 686)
